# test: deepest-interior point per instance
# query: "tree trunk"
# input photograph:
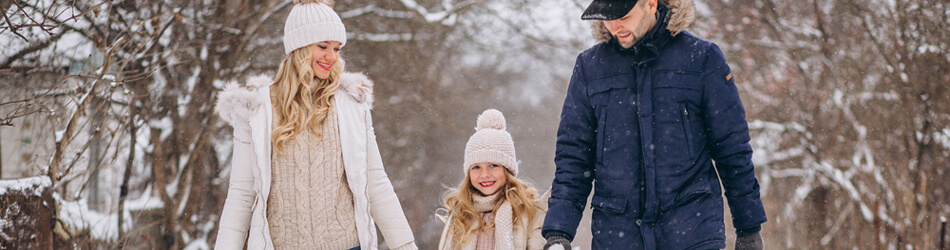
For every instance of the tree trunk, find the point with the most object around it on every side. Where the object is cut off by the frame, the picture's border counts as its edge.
(124, 188)
(96, 153)
(1, 154)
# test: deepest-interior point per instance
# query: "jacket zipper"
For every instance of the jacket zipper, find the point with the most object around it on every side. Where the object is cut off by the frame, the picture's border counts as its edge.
(688, 133)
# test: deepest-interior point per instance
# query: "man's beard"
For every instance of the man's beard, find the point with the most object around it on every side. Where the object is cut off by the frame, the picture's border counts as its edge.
(646, 23)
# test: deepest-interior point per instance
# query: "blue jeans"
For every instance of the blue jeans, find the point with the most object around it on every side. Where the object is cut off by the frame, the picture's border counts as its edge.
(355, 248)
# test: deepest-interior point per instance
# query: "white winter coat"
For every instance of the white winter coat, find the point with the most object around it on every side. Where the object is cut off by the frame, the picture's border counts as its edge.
(249, 110)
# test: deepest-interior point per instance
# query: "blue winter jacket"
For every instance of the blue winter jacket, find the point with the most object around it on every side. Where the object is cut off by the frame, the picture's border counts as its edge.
(642, 126)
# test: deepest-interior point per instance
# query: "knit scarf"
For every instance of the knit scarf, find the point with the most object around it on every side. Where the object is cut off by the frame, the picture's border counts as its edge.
(504, 239)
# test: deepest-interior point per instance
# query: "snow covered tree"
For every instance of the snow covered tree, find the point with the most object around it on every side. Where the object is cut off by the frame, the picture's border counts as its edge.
(848, 102)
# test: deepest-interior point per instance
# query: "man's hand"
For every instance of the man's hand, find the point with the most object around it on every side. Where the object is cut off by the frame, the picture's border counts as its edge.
(745, 242)
(557, 242)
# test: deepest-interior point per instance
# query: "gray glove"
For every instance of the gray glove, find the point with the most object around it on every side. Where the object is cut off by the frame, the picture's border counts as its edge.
(748, 242)
(557, 242)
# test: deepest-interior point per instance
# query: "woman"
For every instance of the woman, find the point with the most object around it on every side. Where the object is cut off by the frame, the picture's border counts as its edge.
(492, 208)
(307, 172)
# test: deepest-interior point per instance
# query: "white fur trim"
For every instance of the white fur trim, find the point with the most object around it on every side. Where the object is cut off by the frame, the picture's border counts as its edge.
(359, 86)
(236, 104)
(259, 81)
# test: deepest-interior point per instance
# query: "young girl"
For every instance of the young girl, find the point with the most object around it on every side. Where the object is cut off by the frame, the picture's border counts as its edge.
(492, 209)
(307, 172)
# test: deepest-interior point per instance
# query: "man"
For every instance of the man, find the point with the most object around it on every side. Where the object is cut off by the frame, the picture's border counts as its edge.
(647, 112)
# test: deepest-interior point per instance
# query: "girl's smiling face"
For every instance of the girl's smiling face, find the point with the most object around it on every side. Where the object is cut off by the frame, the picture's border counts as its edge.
(487, 177)
(323, 56)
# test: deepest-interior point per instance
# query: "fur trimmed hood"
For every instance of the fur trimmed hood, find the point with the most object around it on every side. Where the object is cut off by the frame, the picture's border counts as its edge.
(682, 14)
(237, 102)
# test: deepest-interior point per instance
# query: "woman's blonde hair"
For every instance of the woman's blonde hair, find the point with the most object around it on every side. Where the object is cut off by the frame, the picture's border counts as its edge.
(466, 220)
(300, 100)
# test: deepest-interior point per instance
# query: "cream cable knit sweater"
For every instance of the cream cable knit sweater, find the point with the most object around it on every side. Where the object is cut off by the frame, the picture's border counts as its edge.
(311, 206)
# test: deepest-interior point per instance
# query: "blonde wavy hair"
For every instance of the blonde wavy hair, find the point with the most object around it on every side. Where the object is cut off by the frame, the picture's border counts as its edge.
(301, 101)
(465, 220)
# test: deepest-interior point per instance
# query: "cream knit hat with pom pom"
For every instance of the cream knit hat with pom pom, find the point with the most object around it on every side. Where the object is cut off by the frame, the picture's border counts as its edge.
(312, 21)
(491, 143)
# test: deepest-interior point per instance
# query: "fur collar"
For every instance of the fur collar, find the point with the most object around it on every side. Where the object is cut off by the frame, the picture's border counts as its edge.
(682, 15)
(237, 102)
(359, 86)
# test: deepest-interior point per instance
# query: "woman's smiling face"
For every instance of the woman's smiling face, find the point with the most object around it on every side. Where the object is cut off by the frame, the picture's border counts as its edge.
(323, 56)
(487, 177)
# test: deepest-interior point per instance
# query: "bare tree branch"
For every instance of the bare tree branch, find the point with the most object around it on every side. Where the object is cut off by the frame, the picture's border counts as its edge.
(61, 145)
(32, 48)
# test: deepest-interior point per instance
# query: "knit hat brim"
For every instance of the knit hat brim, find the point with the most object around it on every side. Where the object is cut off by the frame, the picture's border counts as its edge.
(303, 36)
(492, 156)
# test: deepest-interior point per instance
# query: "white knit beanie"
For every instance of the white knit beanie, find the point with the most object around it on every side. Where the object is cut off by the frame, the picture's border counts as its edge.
(312, 21)
(491, 143)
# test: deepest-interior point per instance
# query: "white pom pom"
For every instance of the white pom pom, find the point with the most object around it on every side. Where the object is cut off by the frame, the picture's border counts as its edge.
(491, 118)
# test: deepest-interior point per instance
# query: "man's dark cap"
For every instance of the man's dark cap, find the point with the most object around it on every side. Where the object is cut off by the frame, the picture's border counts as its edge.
(608, 9)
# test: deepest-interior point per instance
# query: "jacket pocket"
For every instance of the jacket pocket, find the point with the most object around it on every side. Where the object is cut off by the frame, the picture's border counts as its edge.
(622, 81)
(687, 197)
(696, 190)
(687, 130)
(609, 204)
(614, 99)
(677, 79)
(671, 90)
(601, 125)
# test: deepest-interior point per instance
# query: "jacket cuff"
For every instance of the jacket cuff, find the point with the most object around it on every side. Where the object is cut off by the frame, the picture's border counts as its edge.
(556, 233)
(748, 231)
(747, 211)
(408, 246)
(562, 218)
